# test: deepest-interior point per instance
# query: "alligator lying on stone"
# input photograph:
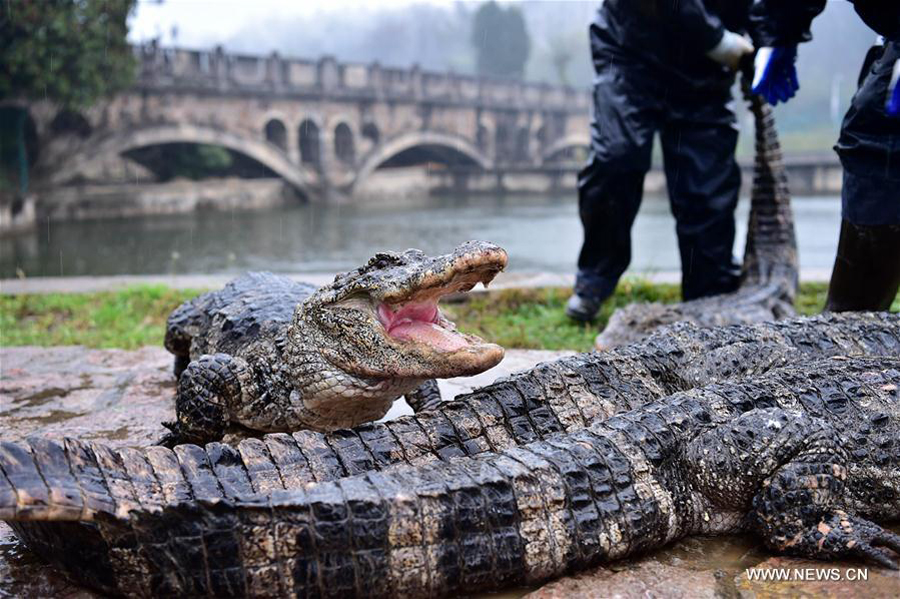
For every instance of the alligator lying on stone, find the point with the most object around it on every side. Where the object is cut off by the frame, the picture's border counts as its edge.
(274, 355)
(119, 493)
(769, 283)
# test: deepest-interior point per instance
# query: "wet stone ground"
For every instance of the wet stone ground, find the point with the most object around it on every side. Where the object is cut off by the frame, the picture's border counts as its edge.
(120, 397)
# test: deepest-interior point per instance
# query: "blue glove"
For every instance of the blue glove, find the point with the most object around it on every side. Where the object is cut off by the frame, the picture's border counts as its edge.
(892, 105)
(774, 74)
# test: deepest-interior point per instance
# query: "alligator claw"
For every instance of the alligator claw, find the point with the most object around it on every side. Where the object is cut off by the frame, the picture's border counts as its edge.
(174, 437)
(872, 554)
(426, 397)
(857, 537)
(888, 539)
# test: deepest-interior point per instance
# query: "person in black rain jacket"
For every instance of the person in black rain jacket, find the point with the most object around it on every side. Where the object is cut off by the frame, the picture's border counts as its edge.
(866, 274)
(665, 67)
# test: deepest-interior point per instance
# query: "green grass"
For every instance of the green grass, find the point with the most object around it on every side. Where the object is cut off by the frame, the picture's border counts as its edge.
(534, 318)
(127, 319)
(136, 316)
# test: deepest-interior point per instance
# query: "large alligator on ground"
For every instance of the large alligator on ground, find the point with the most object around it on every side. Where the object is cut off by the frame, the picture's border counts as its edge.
(272, 354)
(770, 274)
(96, 511)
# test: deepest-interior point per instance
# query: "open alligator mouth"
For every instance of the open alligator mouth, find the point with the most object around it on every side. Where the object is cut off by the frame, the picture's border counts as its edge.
(422, 322)
(412, 316)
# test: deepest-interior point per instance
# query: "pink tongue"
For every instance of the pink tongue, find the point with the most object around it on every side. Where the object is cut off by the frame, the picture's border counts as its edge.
(428, 333)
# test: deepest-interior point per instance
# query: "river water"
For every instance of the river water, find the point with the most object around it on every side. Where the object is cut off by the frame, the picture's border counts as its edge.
(540, 234)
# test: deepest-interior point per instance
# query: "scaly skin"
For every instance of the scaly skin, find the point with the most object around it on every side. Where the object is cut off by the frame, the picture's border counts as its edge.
(565, 395)
(806, 456)
(275, 355)
(770, 276)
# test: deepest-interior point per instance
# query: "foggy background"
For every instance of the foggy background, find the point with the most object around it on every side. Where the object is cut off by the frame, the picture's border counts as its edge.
(188, 206)
(437, 35)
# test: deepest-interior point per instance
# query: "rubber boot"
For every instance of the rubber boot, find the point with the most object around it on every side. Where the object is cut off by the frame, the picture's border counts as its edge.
(582, 309)
(866, 272)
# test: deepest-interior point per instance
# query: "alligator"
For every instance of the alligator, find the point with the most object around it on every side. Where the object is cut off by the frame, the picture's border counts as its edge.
(770, 273)
(272, 354)
(561, 397)
(806, 456)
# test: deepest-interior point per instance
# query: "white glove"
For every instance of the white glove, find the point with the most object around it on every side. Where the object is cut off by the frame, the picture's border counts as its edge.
(731, 49)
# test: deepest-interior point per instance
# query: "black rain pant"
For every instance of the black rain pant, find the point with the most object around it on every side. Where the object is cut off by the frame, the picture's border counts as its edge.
(866, 274)
(699, 137)
(869, 147)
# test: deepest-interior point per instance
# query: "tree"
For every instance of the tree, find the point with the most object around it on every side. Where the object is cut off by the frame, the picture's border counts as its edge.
(501, 40)
(70, 52)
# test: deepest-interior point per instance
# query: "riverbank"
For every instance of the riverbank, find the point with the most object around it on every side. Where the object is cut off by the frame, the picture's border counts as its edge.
(515, 317)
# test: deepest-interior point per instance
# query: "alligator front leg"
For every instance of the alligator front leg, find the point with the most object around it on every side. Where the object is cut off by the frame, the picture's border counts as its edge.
(796, 513)
(206, 390)
(790, 470)
(180, 365)
(426, 397)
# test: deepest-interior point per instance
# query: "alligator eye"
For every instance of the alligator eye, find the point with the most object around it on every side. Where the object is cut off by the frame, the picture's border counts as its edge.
(383, 259)
(358, 294)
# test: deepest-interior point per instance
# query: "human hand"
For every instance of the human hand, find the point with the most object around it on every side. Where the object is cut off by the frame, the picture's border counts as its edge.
(892, 104)
(731, 49)
(774, 73)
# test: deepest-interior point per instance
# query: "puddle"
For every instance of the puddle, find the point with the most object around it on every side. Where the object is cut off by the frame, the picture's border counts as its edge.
(42, 397)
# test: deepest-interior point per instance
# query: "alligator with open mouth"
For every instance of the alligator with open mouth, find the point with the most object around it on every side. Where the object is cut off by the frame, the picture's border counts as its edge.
(272, 354)
(310, 513)
(770, 273)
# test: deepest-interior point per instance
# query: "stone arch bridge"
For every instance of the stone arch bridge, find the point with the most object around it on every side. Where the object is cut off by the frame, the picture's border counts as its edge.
(322, 126)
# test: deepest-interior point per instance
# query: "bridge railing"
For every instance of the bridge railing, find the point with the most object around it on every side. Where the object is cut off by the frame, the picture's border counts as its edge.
(179, 68)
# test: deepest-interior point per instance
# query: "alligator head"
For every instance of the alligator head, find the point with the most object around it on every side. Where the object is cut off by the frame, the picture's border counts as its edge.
(383, 320)
(377, 332)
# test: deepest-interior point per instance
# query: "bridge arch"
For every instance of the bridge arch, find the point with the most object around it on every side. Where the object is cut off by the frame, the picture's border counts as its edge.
(406, 141)
(522, 151)
(251, 146)
(309, 142)
(370, 131)
(276, 133)
(573, 141)
(344, 144)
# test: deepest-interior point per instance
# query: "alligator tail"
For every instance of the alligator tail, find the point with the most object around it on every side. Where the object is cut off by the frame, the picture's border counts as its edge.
(770, 255)
(516, 517)
(36, 483)
(69, 480)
